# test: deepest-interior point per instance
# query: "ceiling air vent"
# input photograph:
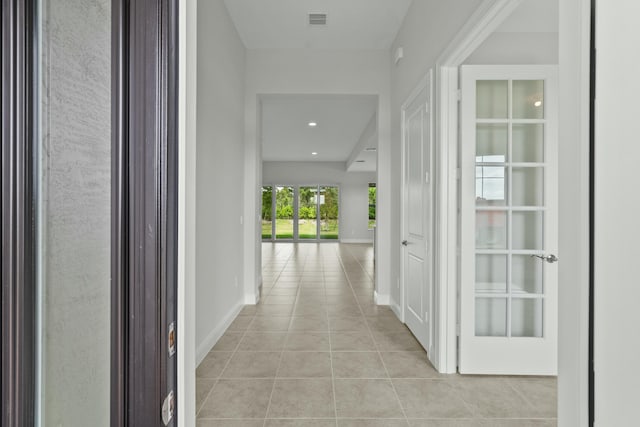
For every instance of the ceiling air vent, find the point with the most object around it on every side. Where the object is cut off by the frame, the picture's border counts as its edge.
(317, 19)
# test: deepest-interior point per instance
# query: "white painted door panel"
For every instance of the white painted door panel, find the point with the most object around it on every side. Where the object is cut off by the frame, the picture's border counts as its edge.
(508, 294)
(417, 208)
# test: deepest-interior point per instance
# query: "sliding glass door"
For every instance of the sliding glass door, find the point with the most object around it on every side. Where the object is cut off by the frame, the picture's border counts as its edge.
(329, 212)
(284, 213)
(305, 213)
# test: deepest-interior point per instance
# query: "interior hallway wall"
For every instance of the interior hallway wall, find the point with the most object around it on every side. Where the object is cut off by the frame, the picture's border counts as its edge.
(354, 191)
(428, 28)
(76, 216)
(219, 173)
(299, 71)
(617, 203)
(516, 49)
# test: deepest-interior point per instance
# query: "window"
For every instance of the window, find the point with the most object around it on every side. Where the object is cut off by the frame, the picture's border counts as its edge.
(372, 205)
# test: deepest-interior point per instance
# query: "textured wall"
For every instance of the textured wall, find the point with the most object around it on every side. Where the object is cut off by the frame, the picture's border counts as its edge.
(76, 216)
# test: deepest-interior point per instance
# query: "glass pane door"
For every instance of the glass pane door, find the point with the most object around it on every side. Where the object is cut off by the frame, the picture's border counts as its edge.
(509, 202)
(284, 213)
(307, 213)
(509, 207)
(329, 212)
(267, 212)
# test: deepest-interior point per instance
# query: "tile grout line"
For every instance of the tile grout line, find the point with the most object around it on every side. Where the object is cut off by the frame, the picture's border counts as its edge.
(273, 387)
(217, 380)
(395, 392)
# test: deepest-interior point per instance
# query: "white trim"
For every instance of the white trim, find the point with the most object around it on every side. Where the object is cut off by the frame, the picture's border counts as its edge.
(370, 241)
(205, 346)
(573, 270)
(186, 320)
(396, 309)
(380, 299)
(482, 23)
(251, 298)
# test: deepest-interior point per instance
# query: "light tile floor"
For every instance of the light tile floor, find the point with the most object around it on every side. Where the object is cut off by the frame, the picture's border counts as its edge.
(318, 352)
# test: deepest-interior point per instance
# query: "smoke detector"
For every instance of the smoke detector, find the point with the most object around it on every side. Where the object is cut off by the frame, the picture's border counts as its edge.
(317, 19)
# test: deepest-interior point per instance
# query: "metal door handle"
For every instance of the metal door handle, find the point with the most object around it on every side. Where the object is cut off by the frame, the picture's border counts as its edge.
(549, 258)
(405, 243)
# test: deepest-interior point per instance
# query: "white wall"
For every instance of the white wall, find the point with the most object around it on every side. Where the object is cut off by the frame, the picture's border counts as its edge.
(617, 203)
(219, 173)
(354, 191)
(429, 26)
(299, 71)
(516, 48)
(76, 217)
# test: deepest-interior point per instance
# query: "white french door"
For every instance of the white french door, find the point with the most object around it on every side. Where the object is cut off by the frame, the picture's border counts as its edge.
(417, 216)
(509, 232)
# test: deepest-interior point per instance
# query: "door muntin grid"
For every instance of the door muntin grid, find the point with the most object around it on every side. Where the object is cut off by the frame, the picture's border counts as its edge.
(510, 207)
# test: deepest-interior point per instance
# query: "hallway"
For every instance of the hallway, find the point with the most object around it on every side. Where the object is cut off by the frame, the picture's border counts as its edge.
(318, 352)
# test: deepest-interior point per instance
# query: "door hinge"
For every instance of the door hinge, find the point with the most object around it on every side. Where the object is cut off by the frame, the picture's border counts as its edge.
(458, 173)
(171, 339)
(458, 329)
(168, 408)
(459, 94)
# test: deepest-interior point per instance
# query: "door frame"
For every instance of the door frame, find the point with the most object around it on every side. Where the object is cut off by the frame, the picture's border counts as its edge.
(489, 15)
(144, 210)
(426, 83)
(18, 157)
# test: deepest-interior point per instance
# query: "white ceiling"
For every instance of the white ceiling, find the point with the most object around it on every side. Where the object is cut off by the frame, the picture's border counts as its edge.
(532, 16)
(341, 119)
(351, 24)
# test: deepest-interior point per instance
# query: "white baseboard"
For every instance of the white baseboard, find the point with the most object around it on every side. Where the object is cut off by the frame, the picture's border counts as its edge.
(395, 307)
(356, 241)
(380, 299)
(205, 347)
(251, 299)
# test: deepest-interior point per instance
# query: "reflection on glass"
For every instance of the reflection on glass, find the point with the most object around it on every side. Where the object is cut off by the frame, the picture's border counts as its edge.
(490, 186)
(284, 212)
(491, 317)
(491, 143)
(528, 186)
(492, 99)
(528, 99)
(307, 213)
(491, 273)
(491, 230)
(526, 317)
(329, 212)
(526, 274)
(528, 143)
(267, 212)
(527, 230)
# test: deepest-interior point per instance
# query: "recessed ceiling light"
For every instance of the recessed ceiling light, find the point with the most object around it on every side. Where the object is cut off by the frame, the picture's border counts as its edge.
(314, 153)
(370, 149)
(313, 124)
(537, 103)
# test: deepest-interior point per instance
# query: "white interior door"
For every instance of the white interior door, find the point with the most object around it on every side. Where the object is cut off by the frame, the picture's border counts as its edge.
(417, 213)
(509, 235)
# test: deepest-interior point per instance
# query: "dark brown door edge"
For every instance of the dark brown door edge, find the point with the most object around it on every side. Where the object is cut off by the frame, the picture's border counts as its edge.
(144, 215)
(19, 235)
(18, 213)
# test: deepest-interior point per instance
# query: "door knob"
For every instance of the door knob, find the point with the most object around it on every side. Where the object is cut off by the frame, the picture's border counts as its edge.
(405, 243)
(549, 258)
